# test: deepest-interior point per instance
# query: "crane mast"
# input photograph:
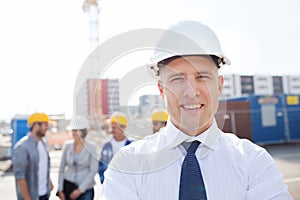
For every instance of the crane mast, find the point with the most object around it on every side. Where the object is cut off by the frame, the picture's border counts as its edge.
(91, 8)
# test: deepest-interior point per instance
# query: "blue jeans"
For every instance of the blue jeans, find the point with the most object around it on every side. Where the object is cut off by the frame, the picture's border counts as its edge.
(87, 195)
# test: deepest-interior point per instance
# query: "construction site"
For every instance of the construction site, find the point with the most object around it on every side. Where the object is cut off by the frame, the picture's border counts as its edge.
(264, 109)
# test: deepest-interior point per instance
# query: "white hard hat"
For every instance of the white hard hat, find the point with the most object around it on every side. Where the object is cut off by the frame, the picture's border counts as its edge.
(187, 38)
(79, 123)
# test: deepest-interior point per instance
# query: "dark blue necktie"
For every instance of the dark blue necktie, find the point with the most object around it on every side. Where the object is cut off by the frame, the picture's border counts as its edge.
(191, 181)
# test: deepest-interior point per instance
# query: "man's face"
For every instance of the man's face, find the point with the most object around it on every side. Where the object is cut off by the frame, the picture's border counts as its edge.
(42, 129)
(116, 129)
(156, 125)
(191, 88)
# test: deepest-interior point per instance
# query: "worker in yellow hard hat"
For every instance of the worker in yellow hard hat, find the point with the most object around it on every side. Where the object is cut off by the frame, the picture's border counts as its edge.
(117, 125)
(32, 161)
(159, 119)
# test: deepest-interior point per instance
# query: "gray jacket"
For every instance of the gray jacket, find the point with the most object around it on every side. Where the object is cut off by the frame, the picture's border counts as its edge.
(25, 165)
(82, 172)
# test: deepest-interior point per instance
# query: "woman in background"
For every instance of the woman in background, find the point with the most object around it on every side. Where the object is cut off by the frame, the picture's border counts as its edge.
(78, 164)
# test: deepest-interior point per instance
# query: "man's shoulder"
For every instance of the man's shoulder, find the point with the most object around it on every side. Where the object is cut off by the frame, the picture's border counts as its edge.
(22, 142)
(145, 155)
(233, 139)
(240, 145)
(107, 146)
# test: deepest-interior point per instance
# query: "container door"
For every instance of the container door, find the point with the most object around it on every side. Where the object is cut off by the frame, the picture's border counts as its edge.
(234, 117)
(267, 120)
(293, 117)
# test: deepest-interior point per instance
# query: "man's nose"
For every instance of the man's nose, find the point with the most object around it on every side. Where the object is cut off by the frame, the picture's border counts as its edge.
(191, 88)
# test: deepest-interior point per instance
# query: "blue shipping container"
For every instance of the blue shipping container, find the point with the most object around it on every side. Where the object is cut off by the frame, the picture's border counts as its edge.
(268, 119)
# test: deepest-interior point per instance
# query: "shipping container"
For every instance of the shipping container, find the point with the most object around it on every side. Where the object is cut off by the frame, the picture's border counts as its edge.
(264, 119)
(234, 117)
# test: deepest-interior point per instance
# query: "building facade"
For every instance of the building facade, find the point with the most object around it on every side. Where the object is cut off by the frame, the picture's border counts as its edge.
(98, 99)
(245, 85)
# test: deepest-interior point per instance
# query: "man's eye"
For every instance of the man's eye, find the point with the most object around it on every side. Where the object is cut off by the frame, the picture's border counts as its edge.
(202, 77)
(176, 79)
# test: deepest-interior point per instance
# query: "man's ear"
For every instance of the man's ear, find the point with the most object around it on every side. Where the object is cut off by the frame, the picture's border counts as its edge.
(161, 89)
(221, 84)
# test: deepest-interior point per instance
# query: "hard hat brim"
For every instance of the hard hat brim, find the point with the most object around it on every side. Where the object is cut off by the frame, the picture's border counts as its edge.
(155, 67)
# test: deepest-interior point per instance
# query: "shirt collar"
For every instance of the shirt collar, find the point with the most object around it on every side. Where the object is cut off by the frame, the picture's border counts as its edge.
(208, 138)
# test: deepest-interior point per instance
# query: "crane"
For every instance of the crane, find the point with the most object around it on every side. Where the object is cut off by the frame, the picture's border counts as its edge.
(91, 7)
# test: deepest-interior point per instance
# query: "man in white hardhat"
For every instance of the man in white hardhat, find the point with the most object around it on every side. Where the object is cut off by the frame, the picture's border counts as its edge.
(191, 158)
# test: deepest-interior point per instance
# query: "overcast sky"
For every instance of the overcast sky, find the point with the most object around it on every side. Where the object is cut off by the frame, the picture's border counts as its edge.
(44, 44)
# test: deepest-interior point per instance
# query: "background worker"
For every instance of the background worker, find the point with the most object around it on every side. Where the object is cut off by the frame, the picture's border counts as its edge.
(78, 165)
(191, 158)
(31, 161)
(159, 119)
(117, 126)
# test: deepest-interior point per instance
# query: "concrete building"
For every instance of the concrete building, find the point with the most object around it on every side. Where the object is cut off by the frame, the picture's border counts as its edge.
(263, 85)
(98, 99)
(232, 86)
(243, 85)
(291, 84)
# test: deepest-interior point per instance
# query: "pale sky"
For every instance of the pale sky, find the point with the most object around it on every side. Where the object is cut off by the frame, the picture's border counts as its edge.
(44, 44)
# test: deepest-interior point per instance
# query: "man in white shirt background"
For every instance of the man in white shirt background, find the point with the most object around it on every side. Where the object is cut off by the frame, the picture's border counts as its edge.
(118, 123)
(32, 162)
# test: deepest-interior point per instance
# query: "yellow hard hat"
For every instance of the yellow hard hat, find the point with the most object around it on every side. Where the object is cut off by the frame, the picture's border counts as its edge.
(119, 118)
(159, 116)
(37, 117)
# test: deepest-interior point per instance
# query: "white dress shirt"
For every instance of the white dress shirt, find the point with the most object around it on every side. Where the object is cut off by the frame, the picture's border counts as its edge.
(232, 168)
